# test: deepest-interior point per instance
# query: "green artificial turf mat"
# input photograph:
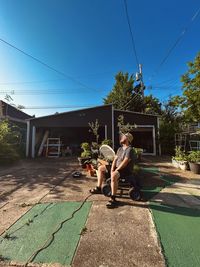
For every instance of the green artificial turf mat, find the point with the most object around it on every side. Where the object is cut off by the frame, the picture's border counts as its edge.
(179, 232)
(30, 232)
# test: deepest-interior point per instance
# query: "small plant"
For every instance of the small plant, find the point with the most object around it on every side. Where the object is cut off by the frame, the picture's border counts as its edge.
(86, 154)
(137, 153)
(7, 236)
(2, 258)
(85, 146)
(94, 128)
(84, 231)
(180, 155)
(125, 128)
(194, 156)
(106, 142)
(86, 150)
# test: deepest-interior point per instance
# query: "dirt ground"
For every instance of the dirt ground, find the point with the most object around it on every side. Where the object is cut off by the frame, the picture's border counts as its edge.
(50, 180)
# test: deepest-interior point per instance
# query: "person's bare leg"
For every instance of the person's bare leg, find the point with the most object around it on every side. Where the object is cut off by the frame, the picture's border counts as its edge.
(114, 182)
(101, 175)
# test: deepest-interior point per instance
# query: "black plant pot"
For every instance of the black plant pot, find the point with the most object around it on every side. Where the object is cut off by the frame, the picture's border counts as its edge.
(195, 167)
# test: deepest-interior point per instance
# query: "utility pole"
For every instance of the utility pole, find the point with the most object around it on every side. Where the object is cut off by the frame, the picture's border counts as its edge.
(141, 81)
(139, 78)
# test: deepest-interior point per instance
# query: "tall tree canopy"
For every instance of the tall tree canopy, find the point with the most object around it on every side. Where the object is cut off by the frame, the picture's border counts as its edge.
(127, 96)
(121, 96)
(152, 105)
(190, 100)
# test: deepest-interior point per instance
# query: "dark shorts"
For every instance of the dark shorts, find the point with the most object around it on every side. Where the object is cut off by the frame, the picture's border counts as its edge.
(124, 173)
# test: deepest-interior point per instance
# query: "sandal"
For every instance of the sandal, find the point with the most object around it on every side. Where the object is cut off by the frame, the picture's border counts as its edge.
(96, 190)
(112, 204)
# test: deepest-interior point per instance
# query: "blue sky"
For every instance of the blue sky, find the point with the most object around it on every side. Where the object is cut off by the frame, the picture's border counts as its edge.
(89, 41)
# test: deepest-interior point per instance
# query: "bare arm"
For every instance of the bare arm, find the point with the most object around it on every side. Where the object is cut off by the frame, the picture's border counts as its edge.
(123, 164)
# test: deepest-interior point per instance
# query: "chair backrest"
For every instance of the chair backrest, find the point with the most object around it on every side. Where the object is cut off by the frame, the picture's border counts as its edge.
(107, 152)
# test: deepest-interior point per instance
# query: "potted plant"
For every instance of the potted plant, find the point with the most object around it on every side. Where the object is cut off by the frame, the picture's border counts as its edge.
(180, 159)
(107, 142)
(138, 153)
(85, 155)
(194, 161)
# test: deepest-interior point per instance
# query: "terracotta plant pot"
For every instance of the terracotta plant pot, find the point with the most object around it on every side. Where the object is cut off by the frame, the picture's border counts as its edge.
(83, 161)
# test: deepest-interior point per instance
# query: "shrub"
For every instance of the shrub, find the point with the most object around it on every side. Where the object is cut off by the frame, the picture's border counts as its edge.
(9, 137)
(180, 155)
(194, 156)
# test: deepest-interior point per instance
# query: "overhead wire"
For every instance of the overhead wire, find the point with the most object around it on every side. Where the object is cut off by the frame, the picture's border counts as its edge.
(196, 14)
(131, 33)
(31, 82)
(44, 64)
(58, 107)
(50, 91)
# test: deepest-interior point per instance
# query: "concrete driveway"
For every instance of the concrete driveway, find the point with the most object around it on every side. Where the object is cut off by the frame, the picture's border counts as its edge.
(121, 237)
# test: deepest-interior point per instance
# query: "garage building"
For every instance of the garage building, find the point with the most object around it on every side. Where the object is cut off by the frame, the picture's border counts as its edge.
(72, 128)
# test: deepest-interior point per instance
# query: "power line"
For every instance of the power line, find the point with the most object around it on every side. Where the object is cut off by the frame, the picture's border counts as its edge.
(131, 33)
(44, 64)
(133, 97)
(32, 82)
(57, 107)
(47, 92)
(57, 80)
(176, 42)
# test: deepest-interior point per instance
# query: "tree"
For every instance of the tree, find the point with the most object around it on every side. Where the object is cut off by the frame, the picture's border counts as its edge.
(127, 96)
(121, 96)
(170, 122)
(190, 101)
(9, 136)
(152, 105)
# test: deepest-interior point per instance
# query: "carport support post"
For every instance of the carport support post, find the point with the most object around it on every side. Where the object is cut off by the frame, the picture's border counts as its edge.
(159, 145)
(27, 138)
(154, 141)
(106, 132)
(113, 134)
(33, 142)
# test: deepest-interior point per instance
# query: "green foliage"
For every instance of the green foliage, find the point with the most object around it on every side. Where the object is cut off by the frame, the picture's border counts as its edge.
(9, 137)
(85, 146)
(190, 102)
(86, 154)
(167, 135)
(95, 145)
(136, 169)
(180, 155)
(122, 92)
(125, 128)
(152, 105)
(126, 96)
(86, 150)
(170, 122)
(194, 156)
(137, 153)
(94, 128)
(106, 142)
